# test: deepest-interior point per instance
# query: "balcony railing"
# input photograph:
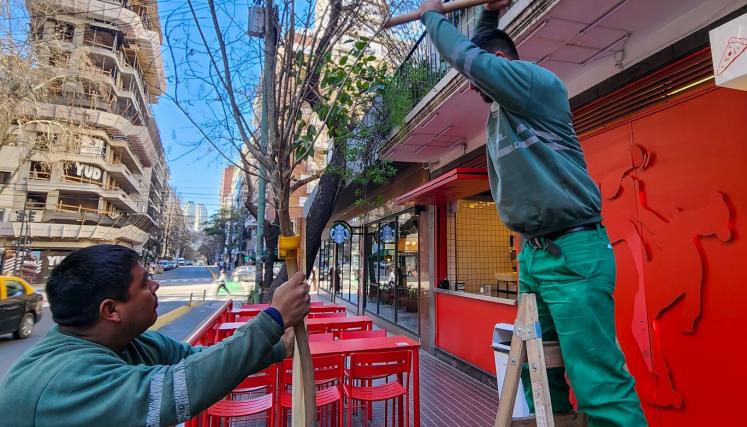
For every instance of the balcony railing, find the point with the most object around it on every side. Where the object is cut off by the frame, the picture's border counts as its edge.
(35, 204)
(423, 67)
(82, 180)
(67, 207)
(40, 175)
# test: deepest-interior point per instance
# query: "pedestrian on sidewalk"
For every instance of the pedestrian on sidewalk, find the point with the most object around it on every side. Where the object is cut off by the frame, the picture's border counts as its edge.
(222, 283)
(543, 190)
(99, 366)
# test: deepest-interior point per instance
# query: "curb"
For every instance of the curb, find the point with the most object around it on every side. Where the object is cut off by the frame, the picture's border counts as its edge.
(172, 315)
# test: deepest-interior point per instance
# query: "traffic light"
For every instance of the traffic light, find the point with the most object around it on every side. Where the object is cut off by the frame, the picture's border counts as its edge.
(20, 215)
(32, 214)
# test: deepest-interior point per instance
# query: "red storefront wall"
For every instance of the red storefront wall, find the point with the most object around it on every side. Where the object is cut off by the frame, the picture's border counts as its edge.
(464, 327)
(675, 199)
(673, 180)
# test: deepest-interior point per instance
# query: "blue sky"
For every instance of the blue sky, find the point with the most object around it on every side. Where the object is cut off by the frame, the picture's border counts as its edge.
(196, 167)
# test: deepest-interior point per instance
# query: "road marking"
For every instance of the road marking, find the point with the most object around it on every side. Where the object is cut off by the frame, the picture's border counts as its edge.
(171, 316)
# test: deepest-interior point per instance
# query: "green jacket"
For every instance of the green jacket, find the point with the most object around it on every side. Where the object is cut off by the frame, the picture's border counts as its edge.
(64, 380)
(536, 168)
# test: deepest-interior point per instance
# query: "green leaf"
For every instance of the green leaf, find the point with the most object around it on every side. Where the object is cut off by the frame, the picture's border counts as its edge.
(344, 60)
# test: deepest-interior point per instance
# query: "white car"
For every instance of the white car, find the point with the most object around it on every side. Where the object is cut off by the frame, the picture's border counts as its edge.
(242, 274)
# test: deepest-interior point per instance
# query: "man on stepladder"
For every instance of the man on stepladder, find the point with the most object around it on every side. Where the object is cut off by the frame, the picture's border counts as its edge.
(541, 186)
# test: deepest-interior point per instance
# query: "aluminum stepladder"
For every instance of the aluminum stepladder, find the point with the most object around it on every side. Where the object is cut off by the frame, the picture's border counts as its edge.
(527, 346)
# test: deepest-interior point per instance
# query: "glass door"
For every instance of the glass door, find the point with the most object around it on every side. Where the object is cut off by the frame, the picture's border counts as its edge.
(388, 272)
(408, 279)
(371, 256)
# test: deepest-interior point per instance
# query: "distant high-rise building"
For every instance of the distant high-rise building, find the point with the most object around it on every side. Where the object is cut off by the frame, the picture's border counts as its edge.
(226, 187)
(195, 216)
(201, 217)
(189, 214)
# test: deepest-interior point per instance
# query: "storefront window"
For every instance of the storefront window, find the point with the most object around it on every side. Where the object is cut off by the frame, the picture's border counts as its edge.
(392, 271)
(481, 250)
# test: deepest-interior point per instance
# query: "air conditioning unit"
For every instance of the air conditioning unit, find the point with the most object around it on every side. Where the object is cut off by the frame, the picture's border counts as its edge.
(256, 21)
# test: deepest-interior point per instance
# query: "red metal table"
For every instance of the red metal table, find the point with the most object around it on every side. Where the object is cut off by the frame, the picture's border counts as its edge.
(231, 326)
(392, 343)
(255, 309)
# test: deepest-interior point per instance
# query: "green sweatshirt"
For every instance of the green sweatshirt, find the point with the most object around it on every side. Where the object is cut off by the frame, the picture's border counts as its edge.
(536, 168)
(64, 380)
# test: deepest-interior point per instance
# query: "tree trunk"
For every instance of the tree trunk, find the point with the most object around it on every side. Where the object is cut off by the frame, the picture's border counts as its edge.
(319, 214)
(322, 208)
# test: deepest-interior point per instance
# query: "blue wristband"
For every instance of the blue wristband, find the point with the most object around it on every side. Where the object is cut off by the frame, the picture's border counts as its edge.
(275, 314)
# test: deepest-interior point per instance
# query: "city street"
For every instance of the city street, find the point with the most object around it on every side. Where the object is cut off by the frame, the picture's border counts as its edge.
(186, 275)
(176, 288)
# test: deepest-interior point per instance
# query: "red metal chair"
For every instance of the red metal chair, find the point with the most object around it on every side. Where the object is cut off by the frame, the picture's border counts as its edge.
(245, 317)
(222, 334)
(223, 411)
(326, 315)
(321, 337)
(316, 329)
(360, 385)
(328, 376)
(336, 329)
(348, 335)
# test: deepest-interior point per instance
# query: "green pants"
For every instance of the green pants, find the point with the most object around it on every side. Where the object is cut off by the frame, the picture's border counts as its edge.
(575, 305)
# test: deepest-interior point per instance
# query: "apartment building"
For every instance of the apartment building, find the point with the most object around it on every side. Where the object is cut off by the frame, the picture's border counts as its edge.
(103, 179)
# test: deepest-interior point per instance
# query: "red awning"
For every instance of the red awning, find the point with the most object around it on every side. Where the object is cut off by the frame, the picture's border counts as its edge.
(454, 185)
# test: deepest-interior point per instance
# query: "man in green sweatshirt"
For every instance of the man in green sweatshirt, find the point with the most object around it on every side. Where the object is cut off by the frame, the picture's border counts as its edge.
(99, 366)
(541, 186)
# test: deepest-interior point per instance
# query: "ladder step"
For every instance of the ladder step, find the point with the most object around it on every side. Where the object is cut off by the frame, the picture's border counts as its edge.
(553, 358)
(571, 419)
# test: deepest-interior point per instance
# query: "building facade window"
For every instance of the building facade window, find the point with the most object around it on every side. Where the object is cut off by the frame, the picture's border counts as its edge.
(481, 250)
(40, 171)
(36, 200)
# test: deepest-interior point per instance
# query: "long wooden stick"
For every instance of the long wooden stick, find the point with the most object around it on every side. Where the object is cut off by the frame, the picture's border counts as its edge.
(448, 7)
(303, 412)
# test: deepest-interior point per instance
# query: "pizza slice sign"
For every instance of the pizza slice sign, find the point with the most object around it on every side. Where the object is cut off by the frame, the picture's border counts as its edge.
(735, 47)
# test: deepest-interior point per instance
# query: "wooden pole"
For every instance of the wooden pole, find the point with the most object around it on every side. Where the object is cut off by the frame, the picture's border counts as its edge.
(448, 7)
(303, 412)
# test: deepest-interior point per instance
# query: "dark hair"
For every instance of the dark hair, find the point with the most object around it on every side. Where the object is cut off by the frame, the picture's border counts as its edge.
(86, 277)
(495, 40)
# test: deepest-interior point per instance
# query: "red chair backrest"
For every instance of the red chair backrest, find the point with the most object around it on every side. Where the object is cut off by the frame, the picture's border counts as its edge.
(380, 365)
(266, 378)
(326, 315)
(244, 317)
(327, 309)
(349, 335)
(326, 369)
(321, 337)
(316, 329)
(361, 325)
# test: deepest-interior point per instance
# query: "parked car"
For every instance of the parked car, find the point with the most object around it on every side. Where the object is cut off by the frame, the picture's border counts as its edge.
(155, 268)
(242, 274)
(166, 264)
(20, 307)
